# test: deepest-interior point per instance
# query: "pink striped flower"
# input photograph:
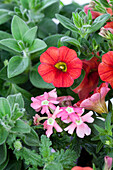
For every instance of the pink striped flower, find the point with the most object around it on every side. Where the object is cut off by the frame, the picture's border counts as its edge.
(50, 123)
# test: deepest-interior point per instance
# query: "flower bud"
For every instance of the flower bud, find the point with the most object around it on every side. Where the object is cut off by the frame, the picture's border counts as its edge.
(92, 4)
(108, 163)
(104, 33)
(17, 145)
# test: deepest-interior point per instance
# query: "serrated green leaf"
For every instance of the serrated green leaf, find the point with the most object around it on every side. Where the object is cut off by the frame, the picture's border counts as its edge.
(21, 127)
(66, 22)
(18, 27)
(11, 44)
(3, 134)
(37, 46)
(55, 166)
(37, 80)
(29, 36)
(17, 65)
(4, 107)
(3, 153)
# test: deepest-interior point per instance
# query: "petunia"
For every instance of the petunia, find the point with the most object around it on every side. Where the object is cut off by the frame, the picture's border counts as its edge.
(51, 122)
(105, 68)
(44, 102)
(97, 100)
(60, 66)
(90, 80)
(109, 26)
(82, 128)
(81, 168)
(108, 163)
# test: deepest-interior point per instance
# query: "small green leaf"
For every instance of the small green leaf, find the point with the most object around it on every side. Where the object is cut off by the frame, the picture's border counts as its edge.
(37, 46)
(4, 35)
(55, 166)
(25, 3)
(3, 153)
(29, 36)
(70, 40)
(17, 65)
(4, 107)
(11, 43)
(16, 98)
(19, 28)
(37, 80)
(3, 134)
(105, 3)
(21, 127)
(98, 23)
(99, 129)
(66, 22)
(4, 16)
(32, 138)
(108, 122)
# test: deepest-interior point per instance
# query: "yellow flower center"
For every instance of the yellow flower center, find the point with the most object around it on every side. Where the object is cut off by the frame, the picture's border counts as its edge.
(61, 66)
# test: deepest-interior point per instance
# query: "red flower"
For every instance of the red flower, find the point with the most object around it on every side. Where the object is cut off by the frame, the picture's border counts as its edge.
(81, 168)
(105, 68)
(60, 66)
(90, 80)
(109, 26)
(95, 14)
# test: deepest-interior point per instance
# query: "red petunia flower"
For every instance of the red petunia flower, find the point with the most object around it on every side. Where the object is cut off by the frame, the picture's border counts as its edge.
(81, 168)
(60, 66)
(109, 26)
(90, 80)
(105, 68)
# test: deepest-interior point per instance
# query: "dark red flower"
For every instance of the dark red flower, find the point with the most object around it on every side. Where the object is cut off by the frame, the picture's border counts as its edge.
(60, 66)
(90, 80)
(105, 68)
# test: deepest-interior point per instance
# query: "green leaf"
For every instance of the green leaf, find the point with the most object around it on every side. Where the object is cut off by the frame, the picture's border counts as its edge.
(3, 134)
(19, 28)
(21, 127)
(66, 22)
(17, 79)
(37, 80)
(3, 153)
(31, 139)
(29, 36)
(17, 65)
(25, 3)
(37, 46)
(52, 40)
(105, 3)
(70, 40)
(98, 23)
(11, 43)
(55, 166)
(16, 98)
(4, 107)
(4, 16)
(47, 3)
(17, 112)
(4, 35)
(4, 164)
(108, 123)
(99, 129)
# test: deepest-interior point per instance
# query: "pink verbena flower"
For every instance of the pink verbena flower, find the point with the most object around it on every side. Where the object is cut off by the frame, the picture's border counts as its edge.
(65, 100)
(69, 113)
(50, 123)
(82, 128)
(44, 102)
(97, 101)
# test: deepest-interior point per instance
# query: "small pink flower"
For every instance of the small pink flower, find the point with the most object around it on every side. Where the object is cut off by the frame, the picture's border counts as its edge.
(82, 129)
(97, 101)
(108, 162)
(50, 123)
(65, 100)
(69, 113)
(36, 119)
(44, 102)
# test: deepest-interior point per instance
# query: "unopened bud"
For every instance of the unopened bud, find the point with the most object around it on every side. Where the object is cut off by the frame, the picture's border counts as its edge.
(17, 145)
(108, 163)
(104, 33)
(92, 4)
